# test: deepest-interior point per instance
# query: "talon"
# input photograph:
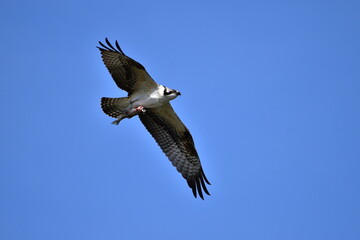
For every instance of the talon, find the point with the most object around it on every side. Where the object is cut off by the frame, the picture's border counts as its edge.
(140, 109)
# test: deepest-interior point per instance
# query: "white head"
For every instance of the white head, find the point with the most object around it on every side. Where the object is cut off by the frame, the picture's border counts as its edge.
(170, 94)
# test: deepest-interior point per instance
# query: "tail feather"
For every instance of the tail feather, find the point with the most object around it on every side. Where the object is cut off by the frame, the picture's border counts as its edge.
(114, 107)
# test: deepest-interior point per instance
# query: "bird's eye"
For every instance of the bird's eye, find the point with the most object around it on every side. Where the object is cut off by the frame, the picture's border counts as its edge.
(167, 92)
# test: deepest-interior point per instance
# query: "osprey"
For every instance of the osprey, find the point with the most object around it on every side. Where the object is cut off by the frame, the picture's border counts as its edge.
(150, 101)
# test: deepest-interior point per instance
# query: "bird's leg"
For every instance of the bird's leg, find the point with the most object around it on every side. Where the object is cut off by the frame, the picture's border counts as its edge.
(129, 112)
(140, 109)
(132, 111)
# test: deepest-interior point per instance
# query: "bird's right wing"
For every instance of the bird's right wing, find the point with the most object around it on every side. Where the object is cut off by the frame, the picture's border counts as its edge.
(177, 143)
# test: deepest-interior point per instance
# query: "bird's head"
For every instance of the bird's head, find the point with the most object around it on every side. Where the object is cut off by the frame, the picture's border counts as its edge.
(170, 94)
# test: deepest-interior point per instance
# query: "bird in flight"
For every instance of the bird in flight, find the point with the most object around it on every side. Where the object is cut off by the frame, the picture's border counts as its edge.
(151, 102)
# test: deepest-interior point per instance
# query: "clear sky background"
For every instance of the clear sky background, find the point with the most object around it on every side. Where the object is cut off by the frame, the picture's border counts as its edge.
(270, 92)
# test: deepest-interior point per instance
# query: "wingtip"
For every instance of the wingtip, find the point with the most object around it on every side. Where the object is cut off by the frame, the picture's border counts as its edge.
(204, 186)
(198, 186)
(204, 177)
(199, 189)
(110, 47)
(107, 41)
(118, 47)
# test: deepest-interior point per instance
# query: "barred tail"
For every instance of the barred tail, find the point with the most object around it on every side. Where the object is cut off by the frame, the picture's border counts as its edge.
(114, 107)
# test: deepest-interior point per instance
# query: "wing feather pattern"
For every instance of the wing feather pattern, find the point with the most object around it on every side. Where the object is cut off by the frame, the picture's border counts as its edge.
(178, 145)
(127, 73)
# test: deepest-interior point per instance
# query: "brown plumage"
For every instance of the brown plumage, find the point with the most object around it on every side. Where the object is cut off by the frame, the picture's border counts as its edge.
(162, 122)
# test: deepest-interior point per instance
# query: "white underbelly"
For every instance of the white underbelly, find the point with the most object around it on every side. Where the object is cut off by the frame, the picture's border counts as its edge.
(147, 101)
(150, 102)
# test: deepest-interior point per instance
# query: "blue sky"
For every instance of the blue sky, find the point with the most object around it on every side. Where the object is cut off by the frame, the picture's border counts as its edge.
(270, 92)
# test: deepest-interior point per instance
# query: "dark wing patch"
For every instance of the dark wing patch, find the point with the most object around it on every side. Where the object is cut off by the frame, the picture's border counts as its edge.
(178, 145)
(127, 73)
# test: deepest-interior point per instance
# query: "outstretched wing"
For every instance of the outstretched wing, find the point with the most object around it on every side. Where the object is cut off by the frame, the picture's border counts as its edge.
(177, 143)
(127, 73)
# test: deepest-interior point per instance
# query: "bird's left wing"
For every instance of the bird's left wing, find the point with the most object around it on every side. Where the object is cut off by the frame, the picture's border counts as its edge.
(127, 73)
(177, 143)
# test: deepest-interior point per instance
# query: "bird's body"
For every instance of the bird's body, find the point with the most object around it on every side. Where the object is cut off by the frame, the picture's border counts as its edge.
(151, 98)
(151, 102)
(140, 100)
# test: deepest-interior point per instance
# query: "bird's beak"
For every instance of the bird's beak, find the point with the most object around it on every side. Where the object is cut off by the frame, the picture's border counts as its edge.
(178, 93)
